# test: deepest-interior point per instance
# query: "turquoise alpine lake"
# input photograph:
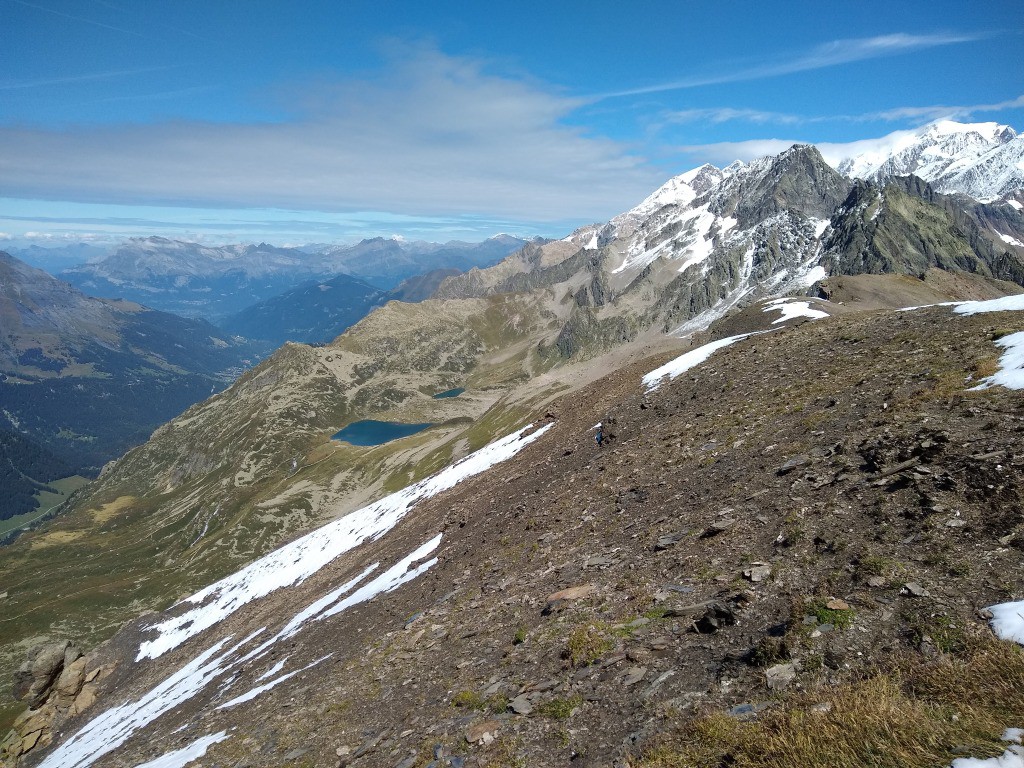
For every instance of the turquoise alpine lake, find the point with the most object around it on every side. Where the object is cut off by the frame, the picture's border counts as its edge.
(449, 393)
(370, 432)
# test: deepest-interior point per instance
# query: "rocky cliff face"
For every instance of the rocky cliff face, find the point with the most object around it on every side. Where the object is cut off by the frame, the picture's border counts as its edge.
(906, 227)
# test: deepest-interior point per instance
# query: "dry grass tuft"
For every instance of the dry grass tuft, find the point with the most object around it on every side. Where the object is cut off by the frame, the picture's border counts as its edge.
(914, 716)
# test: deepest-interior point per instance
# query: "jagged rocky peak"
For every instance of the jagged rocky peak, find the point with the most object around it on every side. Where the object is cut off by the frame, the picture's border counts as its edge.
(797, 180)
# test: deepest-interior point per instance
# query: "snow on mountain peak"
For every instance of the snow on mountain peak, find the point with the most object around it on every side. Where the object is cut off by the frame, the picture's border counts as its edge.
(977, 159)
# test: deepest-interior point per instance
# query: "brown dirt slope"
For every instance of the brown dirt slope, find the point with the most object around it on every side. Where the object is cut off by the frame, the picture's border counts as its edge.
(830, 496)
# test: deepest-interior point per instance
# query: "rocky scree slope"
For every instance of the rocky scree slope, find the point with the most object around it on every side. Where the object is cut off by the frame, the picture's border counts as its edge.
(793, 513)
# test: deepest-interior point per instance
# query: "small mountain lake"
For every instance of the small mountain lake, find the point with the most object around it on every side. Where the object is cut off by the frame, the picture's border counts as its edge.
(370, 432)
(449, 393)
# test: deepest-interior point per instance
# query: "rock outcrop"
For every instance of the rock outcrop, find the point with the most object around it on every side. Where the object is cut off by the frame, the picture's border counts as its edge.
(57, 682)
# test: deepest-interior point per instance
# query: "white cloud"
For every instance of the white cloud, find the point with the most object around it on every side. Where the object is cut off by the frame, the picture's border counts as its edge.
(437, 135)
(6, 236)
(835, 152)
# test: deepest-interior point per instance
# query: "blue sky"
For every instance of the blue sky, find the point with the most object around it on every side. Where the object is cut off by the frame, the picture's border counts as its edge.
(329, 121)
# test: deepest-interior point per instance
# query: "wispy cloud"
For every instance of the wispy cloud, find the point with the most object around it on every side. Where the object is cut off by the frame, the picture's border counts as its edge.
(828, 54)
(82, 19)
(940, 111)
(107, 75)
(724, 152)
(438, 135)
(727, 114)
(914, 115)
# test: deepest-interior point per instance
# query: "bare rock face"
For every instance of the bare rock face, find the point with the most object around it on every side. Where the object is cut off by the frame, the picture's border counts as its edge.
(57, 682)
(43, 665)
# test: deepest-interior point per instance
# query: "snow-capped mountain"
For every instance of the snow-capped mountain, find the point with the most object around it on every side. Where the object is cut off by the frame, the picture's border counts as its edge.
(701, 243)
(983, 160)
(712, 239)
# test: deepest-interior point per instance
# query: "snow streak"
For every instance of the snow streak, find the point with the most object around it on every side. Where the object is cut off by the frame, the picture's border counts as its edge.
(297, 561)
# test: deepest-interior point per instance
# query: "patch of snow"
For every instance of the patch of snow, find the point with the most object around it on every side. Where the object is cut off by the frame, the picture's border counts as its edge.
(1008, 239)
(820, 225)
(685, 362)
(813, 275)
(790, 308)
(1008, 621)
(274, 669)
(1011, 364)
(878, 210)
(1013, 303)
(392, 578)
(253, 693)
(1011, 758)
(1015, 204)
(297, 561)
(182, 757)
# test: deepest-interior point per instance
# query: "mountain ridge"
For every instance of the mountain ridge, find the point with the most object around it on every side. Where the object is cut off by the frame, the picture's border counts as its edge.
(474, 591)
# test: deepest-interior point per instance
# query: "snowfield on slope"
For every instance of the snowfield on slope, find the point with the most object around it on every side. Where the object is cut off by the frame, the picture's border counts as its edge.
(680, 365)
(296, 562)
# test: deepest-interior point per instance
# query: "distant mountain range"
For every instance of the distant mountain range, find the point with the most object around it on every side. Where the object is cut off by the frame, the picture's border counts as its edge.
(55, 259)
(84, 379)
(312, 313)
(386, 262)
(216, 282)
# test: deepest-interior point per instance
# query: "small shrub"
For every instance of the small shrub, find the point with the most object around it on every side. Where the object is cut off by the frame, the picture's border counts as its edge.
(468, 700)
(769, 650)
(559, 708)
(519, 637)
(587, 644)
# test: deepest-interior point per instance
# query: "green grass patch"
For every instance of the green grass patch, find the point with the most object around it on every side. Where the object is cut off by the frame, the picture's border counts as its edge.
(588, 643)
(840, 618)
(559, 708)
